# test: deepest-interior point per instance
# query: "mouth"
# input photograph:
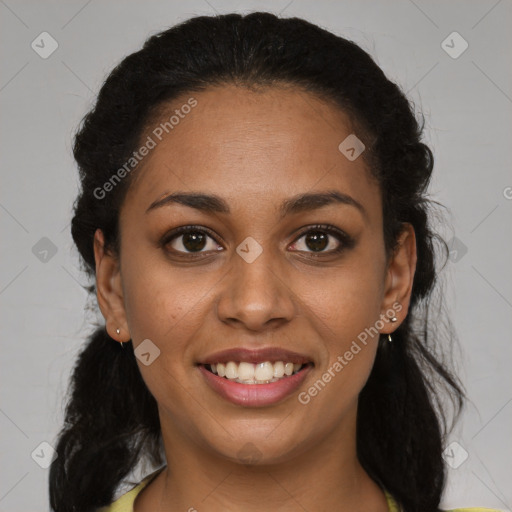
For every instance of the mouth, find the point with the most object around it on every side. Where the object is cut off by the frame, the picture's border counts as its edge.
(255, 378)
(265, 372)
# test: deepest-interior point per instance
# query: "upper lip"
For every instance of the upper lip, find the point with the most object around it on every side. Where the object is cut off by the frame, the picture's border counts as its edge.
(259, 355)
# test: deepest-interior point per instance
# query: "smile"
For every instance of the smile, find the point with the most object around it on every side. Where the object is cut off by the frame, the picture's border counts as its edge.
(255, 377)
(260, 373)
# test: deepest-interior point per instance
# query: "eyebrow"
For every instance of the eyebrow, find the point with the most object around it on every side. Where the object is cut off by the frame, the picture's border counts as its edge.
(210, 203)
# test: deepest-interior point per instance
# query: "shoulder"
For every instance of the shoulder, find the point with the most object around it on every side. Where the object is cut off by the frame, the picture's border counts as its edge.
(394, 507)
(474, 509)
(125, 502)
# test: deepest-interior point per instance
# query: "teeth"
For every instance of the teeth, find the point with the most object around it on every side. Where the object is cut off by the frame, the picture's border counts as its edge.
(231, 370)
(248, 373)
(279, 369)
(264, 372)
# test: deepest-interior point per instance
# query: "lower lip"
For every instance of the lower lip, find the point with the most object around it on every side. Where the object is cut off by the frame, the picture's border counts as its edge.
(254, 395)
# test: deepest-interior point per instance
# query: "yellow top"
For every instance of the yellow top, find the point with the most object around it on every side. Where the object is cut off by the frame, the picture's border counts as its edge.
(125, 502)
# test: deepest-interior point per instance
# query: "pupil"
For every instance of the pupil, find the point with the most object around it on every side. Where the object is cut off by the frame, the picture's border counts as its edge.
(194, 241)
(317, 241)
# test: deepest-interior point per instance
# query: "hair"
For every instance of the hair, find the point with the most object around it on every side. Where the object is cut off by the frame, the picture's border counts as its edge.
(111, 419)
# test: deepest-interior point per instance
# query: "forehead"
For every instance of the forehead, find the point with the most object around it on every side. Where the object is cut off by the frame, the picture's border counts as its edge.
(244, 144)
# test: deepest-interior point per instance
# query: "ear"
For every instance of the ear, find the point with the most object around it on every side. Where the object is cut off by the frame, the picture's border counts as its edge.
(109, 290)
(399, 280)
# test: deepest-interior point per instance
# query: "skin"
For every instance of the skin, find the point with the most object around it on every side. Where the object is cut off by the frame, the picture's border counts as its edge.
(254, 149)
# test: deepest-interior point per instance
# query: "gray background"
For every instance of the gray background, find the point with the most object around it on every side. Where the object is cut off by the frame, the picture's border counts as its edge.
(467, 102)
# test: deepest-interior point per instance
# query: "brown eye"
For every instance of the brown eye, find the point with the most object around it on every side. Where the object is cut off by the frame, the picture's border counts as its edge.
(317, 241)
(190, 240)
(323, 240)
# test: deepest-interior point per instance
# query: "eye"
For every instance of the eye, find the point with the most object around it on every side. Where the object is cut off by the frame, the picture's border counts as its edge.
(323, 239)
(188, 240)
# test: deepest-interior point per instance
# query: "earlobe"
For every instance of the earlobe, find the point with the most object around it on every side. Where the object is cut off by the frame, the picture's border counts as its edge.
(109, 290)
(400, 279)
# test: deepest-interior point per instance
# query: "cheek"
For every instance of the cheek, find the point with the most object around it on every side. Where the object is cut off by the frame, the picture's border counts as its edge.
(162, 305)
(349, 352)
(348, 316)
(349, 299)
(157, 298)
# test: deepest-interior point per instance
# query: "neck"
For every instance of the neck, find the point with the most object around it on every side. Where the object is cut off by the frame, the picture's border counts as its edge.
(327, 476)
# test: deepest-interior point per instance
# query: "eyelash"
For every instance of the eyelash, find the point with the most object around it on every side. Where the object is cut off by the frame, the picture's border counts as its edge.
(346, 241)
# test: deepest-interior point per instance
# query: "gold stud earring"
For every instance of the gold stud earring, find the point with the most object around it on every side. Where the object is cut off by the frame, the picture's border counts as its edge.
(118, 331)
(394, 319)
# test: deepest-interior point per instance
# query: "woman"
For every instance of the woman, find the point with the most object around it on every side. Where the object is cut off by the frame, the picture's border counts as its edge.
(253, 210)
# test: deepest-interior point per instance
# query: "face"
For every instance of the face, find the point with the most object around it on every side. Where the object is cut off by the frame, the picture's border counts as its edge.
(286, 264)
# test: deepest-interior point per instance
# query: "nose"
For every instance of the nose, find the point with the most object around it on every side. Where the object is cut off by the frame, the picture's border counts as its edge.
(256, 295)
